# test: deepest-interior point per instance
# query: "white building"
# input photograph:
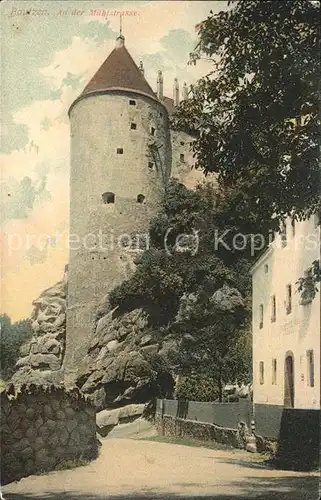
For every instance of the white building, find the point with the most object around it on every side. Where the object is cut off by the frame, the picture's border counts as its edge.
(286, 325)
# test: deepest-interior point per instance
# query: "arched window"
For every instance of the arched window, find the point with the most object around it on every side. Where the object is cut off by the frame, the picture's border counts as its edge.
(140, 198)
(108, 197)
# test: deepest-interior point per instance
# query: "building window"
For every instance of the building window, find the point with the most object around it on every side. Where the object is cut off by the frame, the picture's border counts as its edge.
(182, 143)
(152, 130)
(108, 197)
(273, 309)
(283, 235)
(310, 368)
(133, 126)
(261, 313)
(266, 268)
(120, 151)
(293, 227)
(261, 372)
(132, 102)
(288, 305)
(274, 368)
(182, 157)
(140, 198)
(150, 164)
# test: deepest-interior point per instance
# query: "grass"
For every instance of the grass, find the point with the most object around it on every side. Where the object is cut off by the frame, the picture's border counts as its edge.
(212, 445)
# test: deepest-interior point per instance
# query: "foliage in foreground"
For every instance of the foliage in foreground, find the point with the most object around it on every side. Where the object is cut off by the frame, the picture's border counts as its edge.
(13, 335)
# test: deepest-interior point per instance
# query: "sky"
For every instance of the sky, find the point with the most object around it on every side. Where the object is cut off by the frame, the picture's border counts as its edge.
(49, 52)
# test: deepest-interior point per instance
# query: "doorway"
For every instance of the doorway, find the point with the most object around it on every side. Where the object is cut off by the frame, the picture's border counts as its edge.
(289, 380)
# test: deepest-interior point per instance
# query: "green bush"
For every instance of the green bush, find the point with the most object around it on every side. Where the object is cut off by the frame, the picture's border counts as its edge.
(196, 388)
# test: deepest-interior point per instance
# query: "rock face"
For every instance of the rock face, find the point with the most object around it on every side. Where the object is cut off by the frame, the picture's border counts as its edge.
(125, 362)
(41, 358)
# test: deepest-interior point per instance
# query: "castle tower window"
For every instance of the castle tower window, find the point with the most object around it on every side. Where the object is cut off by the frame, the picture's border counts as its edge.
(108, 197)
(133, 126)
(152, 131)
(140, 198)
(150, 164)
(182, 157)
(132, 102)
(120, 151)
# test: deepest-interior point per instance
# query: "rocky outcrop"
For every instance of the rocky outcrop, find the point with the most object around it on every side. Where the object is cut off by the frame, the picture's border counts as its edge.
(106, 420)
(126, 361)
(41, 358)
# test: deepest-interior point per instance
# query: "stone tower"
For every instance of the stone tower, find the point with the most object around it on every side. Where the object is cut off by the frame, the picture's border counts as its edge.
(120, 164)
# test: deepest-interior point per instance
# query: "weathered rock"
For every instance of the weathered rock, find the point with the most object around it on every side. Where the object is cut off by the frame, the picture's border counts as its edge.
(146, 339)
(112, 345)
(150, 349)
(118, 369)
(44, 352)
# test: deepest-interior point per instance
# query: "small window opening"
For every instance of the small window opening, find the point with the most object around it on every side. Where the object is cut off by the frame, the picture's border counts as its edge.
(182, 143)
(140, 198)
(310, 368)
(261, 369)
(133, 126)
(261, 314)
(293, 227)
(120, 151)
(283, 236)
(152, 131)
(108, 197)
(273, 309)
(132, 102)
(274, 371)
(150, 164)
(266, 269)
(288, 299)
(182, 157)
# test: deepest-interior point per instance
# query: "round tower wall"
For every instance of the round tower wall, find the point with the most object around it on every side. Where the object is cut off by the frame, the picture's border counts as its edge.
(120, 144)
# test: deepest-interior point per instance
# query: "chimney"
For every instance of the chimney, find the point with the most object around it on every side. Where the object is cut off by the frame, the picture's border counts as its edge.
(176, 92)
(141, 67)
(185, 92)
(160, 85)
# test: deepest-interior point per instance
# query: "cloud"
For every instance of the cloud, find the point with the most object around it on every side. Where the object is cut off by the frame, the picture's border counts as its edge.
(19, 197)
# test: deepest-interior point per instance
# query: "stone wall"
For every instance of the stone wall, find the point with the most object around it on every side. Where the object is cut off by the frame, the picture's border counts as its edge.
(179, 427)
(43, 427)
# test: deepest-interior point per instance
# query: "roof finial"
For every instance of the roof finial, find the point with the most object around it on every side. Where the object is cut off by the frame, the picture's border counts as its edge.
(120, 40)
(120, 24)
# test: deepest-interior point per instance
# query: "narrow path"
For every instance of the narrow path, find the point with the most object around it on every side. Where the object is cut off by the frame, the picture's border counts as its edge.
(127, 469)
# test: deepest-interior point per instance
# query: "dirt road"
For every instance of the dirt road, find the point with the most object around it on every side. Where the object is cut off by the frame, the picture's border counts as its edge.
(137, 469)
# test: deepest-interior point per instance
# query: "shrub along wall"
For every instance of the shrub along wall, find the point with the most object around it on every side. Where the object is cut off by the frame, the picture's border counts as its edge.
(42, 427)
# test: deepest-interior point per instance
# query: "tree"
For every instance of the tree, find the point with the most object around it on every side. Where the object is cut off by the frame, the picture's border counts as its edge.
(189, 287)
(13, 335)
(214, 338)
(255, 117)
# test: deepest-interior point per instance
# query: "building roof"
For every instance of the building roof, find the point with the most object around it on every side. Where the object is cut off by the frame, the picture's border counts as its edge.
(119, 72)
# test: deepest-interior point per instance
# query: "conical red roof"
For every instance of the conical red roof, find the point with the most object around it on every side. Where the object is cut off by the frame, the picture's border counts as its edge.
(119, 71)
